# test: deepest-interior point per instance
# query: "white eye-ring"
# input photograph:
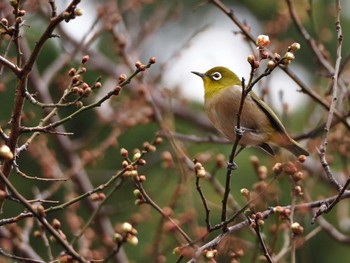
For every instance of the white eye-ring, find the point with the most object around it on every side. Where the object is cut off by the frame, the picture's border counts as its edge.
(216, 75)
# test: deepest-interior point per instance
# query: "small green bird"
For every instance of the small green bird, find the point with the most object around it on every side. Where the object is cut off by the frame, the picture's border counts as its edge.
(260, 124)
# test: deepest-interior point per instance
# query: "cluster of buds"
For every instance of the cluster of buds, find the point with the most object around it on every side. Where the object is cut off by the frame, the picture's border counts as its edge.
(98, 197)
(71, 15)
(139, 197)
(292, 169)
(257, 220)
(77, 83)
(254, 63)
(148, 147)
(284, 213)
(20, 14)
(5, 28)
(289, 55)
(200, 171)
(126, 233)
(131, 169)
(140, 66)
(261, 42)
(57, 226)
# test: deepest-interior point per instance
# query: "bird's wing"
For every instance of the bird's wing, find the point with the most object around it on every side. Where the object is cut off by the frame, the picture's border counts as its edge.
(267, 148)
(269, 113)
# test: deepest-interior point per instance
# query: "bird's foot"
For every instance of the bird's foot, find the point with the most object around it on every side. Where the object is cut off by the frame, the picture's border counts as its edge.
(231, 166)
(239, 131)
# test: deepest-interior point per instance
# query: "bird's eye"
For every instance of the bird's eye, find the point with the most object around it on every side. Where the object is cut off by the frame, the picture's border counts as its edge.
(216, 76)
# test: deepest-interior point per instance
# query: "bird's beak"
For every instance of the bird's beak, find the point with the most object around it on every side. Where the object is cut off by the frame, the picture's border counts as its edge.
(202, 75)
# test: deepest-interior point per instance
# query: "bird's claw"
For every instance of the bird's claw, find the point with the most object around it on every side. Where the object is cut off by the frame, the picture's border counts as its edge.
(239, 131)
(232, 166)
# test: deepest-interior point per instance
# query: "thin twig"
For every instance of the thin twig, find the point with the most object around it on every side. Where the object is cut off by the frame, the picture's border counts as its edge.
(257, 229)
(204, 201)
(323, 147)
(149, 201)
(22, 259)
(42, 219)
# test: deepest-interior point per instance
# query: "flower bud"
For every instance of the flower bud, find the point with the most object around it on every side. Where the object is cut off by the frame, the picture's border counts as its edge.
(126, 227)
(3, 195)
(78, 12)
(136, 156)
(5, 153)
(251, 59)
(142, 178)
(302, 158)
(134, 173)
(210, 254)
(262, 40)
(297, 190)
(198, 166)
(4, 21)
(245, 192)
(260, 222)
(117, 237)
(278, 209)
(152, 60)
(137, 193)
(56, 223)
(158, 140)
(295, 46)
(256, 64)
(201, 173)
(297, 176)
(289, 56)
(132, 240)
(72, 72)
(271, 64)
(139, 65)
(85, 59)
(21, 12)
(124, 152)
(276, 57)
(264, 54)
(97, 85)
(122, 77)
(297, 229)
(262, 172)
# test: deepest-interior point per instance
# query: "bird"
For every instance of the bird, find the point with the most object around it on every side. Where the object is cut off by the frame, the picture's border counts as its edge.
(260, 125)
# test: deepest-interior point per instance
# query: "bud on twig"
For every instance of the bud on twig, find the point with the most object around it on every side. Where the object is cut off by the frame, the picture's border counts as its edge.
(262, 40)
(294, 47)
(5, 153)
(85, 59)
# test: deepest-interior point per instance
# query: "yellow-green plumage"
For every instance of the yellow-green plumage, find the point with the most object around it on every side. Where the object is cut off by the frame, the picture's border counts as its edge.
(222, 94)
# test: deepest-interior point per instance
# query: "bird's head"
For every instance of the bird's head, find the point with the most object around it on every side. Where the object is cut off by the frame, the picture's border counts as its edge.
(217, 79)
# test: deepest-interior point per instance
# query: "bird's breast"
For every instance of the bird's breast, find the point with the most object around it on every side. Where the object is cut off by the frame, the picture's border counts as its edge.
(222, 111)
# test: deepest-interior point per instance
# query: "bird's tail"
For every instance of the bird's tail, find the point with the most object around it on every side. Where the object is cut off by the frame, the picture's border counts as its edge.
(296, 149)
